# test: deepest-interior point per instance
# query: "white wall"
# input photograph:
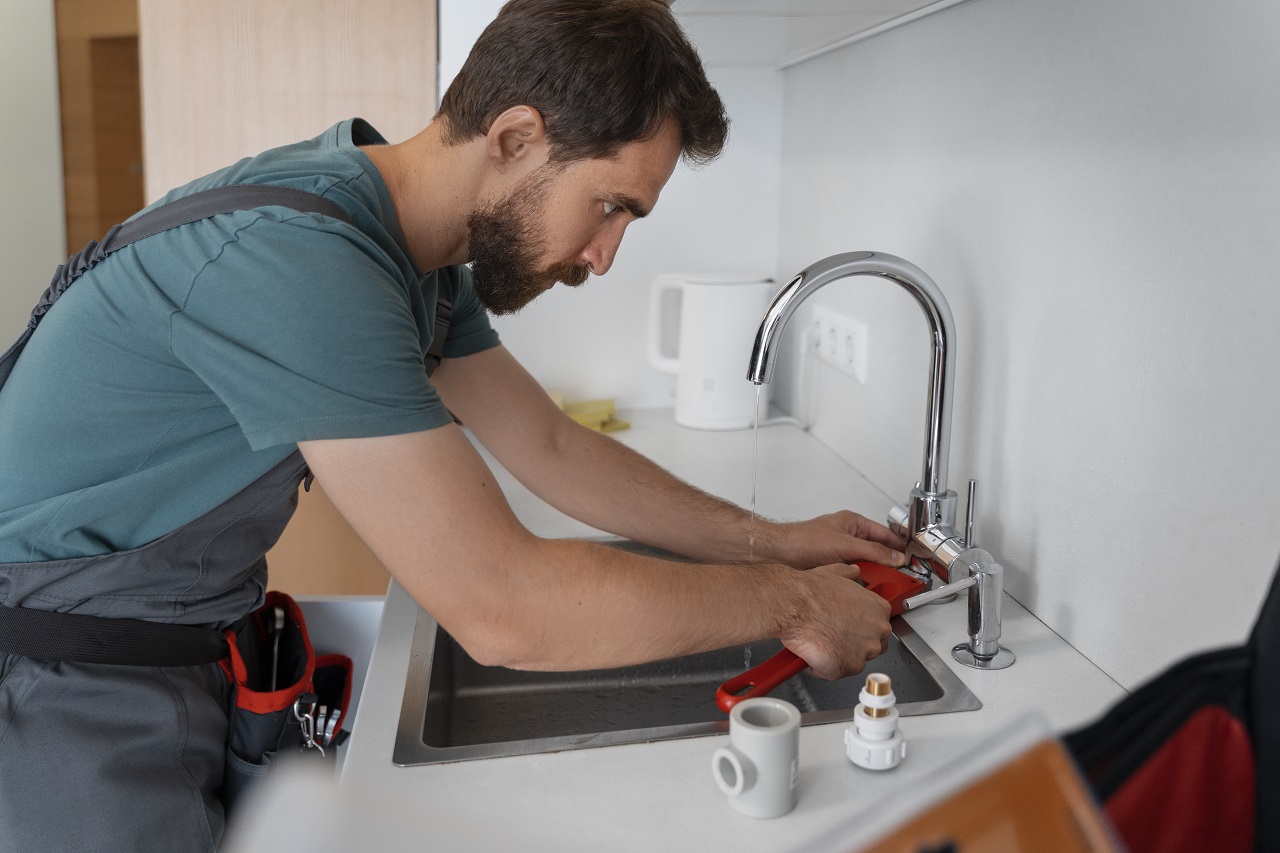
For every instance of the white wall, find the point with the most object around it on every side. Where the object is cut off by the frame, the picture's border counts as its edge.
(1096, 187)
(33, 233)
(461, 22)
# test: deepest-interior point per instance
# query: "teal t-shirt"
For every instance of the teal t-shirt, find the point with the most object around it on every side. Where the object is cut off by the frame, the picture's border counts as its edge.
(185, 366)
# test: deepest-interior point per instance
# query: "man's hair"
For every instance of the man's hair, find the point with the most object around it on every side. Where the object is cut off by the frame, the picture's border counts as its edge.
(602, 73)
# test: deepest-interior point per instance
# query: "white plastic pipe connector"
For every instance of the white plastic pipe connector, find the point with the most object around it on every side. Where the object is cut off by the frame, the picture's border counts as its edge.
(874, 741)
(757, 770)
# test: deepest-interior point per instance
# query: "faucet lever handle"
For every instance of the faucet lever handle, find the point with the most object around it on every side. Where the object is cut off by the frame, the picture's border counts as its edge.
(970, 513)
(941, 592)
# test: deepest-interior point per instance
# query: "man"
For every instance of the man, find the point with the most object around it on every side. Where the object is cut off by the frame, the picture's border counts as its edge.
(152, 426)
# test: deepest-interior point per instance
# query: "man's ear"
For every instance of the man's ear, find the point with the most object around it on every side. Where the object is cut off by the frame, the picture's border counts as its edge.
(517, 137)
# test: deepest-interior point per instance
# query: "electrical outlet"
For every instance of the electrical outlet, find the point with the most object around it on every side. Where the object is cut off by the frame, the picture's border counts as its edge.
(842, 342)
(829, 341)
(853, 350)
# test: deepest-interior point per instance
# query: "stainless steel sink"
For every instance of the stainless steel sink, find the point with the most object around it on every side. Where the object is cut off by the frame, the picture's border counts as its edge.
(455, 709)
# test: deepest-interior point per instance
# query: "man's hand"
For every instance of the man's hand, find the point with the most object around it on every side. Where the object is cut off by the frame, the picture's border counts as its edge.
(840, 537)
(848, 626)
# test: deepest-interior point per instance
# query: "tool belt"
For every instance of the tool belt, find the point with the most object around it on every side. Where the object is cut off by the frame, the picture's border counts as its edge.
(285, 698)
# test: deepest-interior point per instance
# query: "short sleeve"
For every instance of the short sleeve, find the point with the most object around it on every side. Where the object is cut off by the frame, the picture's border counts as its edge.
(470, 331)
(304, 331)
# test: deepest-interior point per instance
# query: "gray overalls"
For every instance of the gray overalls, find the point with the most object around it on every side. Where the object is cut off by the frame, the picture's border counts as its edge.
(132, 757)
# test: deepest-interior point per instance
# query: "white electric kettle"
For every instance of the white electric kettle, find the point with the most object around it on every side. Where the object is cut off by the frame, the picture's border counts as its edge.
(719, 316)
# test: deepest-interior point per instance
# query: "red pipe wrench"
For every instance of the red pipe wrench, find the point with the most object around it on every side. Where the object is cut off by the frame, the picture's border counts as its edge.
(887, 582)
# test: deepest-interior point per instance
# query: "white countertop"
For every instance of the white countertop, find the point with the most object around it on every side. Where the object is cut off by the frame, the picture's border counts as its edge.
(662, 795)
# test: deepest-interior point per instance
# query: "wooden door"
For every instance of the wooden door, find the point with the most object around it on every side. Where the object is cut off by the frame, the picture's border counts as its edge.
(100, 101)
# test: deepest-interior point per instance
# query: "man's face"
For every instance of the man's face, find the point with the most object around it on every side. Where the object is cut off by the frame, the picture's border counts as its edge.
(563, 222)
(506, 247)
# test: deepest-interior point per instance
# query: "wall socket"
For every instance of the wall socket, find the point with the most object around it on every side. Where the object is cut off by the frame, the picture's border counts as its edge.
(842, 342)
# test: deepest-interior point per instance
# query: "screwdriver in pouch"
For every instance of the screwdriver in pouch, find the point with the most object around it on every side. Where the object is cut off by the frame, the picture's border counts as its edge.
(275, 645)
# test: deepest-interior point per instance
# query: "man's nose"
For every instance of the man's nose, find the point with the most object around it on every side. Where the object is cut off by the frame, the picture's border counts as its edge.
(599, 253)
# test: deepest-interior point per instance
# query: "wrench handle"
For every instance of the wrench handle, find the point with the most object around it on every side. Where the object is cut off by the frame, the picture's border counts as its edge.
(760, 679)
(889, 583)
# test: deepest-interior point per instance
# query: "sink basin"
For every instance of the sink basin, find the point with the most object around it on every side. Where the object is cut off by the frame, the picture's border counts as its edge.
(455, 709)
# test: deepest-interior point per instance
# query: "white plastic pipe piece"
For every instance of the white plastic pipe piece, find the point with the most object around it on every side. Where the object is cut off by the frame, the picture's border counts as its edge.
(874, 741)
(757, 770)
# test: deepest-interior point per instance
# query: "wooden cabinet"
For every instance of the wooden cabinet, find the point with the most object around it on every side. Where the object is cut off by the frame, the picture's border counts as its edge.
(228, 79)
(100, 102)
(319, 553)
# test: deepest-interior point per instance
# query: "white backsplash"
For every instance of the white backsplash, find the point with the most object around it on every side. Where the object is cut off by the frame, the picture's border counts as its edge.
(1093, 185)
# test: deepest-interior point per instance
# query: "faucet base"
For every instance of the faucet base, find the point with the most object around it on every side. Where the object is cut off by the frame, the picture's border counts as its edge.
(1000, 660)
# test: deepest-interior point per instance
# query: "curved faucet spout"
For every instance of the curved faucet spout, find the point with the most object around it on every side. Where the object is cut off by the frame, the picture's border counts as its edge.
(941, 332)
(927, 520)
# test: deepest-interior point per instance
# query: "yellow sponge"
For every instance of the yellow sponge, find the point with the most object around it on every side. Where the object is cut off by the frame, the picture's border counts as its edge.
(599, 415)
(588, 412)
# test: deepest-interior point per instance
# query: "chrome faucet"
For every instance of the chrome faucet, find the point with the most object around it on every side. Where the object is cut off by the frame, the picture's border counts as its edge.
(927, 520)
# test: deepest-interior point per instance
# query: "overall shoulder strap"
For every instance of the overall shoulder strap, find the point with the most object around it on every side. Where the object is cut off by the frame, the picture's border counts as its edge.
(219, 200)
(182, 211)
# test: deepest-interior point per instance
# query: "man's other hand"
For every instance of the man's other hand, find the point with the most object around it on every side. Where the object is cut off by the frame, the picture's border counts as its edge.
(839, 537)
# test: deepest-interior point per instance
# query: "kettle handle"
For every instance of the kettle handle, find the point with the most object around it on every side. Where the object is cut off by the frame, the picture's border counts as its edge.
(661, 286)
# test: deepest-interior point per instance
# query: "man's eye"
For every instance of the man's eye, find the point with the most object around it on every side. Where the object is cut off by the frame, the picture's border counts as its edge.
(610, 209)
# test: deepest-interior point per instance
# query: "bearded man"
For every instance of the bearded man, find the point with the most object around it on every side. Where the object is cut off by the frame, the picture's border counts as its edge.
(165, 410)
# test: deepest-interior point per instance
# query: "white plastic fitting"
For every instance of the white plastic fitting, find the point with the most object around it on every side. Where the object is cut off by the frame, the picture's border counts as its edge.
(874, 741)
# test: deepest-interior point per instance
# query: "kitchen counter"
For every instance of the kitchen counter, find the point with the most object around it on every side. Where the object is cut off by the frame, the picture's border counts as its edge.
(661, 795)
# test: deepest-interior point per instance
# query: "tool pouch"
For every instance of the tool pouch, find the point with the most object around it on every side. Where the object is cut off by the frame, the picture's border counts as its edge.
(287, 702)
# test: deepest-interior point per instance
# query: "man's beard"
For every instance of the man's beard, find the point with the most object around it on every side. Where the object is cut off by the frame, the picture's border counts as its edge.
(504, 247)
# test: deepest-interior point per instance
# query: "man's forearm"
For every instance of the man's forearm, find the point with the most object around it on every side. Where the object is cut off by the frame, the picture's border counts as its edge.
(582, 605)
(596, 479)
(606, 484)
(585, 474)
(600, 481)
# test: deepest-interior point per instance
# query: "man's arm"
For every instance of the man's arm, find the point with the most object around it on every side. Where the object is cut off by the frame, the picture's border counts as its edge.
(432, 513)
(600, 481)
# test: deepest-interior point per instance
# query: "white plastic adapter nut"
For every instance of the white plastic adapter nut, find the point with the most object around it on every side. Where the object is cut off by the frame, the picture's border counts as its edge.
(874, 741)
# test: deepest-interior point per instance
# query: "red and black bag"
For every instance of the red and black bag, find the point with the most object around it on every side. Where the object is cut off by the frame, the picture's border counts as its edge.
(287, 701)
(1190, 762)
